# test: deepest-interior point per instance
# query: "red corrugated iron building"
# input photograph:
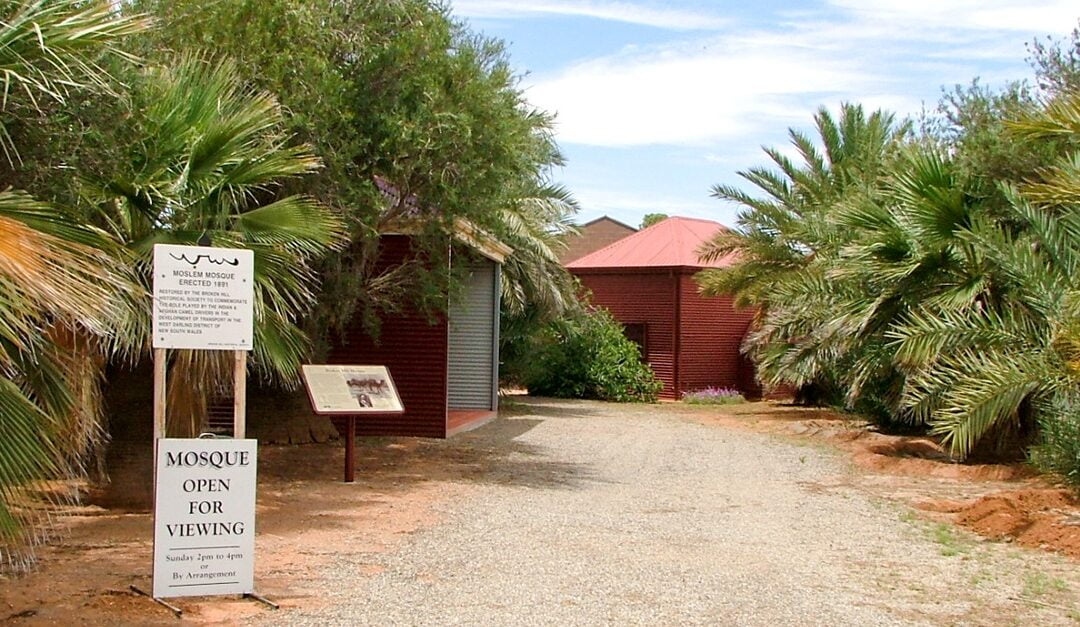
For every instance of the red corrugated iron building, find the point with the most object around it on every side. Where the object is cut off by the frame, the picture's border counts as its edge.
(646, 280)
(446, 370)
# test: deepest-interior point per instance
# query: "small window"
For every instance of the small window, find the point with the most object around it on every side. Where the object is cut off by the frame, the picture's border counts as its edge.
(636, 333)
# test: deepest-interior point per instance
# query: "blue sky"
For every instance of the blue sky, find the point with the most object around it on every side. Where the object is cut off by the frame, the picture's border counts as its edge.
(656, 102)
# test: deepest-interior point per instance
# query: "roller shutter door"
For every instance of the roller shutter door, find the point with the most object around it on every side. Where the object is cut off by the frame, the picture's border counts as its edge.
(472, 341)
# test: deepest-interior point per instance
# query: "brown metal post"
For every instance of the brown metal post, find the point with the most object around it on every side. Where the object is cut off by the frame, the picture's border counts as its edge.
(350, 449)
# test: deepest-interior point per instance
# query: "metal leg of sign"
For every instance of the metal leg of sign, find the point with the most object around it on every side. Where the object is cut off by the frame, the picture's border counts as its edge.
(350, 449)
(175, 610)
(260, 598)
(239, 394)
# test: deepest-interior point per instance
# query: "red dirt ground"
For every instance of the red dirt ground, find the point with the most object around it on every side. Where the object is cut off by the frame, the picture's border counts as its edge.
(1005, 502)
(1040, 518)
(306, 516)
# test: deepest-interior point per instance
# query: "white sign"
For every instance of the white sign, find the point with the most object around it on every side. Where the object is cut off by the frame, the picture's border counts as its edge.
(204, 517)
(203, 297)
(351, 389)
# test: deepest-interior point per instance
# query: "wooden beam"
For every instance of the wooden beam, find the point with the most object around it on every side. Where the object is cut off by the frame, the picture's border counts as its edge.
(160, 363)
(239, 394)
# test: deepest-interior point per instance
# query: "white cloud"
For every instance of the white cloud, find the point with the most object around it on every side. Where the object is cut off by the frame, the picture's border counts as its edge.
(1055, 16)
(715, 90)
(733, 76)
(628, 12)
(728, 86)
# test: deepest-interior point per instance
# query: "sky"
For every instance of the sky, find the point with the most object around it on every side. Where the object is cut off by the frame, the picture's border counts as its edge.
(657, 102)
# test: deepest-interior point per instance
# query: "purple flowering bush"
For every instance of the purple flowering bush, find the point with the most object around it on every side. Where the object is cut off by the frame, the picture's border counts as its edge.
(713, 396)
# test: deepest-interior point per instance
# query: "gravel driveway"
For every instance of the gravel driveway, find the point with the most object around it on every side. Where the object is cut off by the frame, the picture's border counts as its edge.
(614, 514)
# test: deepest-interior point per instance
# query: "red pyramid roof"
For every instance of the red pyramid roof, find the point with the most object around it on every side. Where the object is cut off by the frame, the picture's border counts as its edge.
(672, 242)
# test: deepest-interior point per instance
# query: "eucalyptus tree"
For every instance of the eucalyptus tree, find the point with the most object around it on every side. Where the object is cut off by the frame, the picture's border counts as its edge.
(395, 92)
(1057, 63)
(650, 219)
(57, 276)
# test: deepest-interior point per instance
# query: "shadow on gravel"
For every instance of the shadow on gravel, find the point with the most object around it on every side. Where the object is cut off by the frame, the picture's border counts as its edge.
(490, 455)
(547, 408)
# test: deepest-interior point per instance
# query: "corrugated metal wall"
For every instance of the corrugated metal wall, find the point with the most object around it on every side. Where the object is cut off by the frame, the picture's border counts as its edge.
(414, 349)
(473, 326)
(712, 331)
(643, 298)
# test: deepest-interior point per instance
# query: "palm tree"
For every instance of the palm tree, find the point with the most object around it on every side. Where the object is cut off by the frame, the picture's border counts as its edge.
(782, 232)
(536, 227)
(1015, 360)
(908, 249)
(57, 277)
(999, 368)
(536, 288)
(211, 157)
(787, 240)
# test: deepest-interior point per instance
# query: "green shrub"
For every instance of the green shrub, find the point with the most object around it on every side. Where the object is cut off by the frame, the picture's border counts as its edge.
(587, 356)
(1058, 449)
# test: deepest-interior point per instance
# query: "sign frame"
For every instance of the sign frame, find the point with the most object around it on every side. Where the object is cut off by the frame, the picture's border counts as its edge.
(210, 493)
(337, 406)
(204, 298)
(379, 381)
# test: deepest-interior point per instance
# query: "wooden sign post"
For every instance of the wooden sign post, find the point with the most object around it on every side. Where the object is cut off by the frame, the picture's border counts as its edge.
(350, 392)
(161, 357)
(203, 300)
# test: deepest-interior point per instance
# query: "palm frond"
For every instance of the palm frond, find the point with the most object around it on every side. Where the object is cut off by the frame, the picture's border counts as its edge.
(49, 47)
(1059, 185)
(535, 227)
(46, 274)
(927, 334)
(987, 392)
(1057, 118)
(28, 454)
(298, 223)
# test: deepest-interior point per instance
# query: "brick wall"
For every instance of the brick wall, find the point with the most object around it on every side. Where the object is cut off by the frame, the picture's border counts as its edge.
(594, 236)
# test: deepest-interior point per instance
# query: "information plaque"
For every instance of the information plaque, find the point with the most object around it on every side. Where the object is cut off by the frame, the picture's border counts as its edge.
(204, 517)
(335, 389)
(203, 297)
